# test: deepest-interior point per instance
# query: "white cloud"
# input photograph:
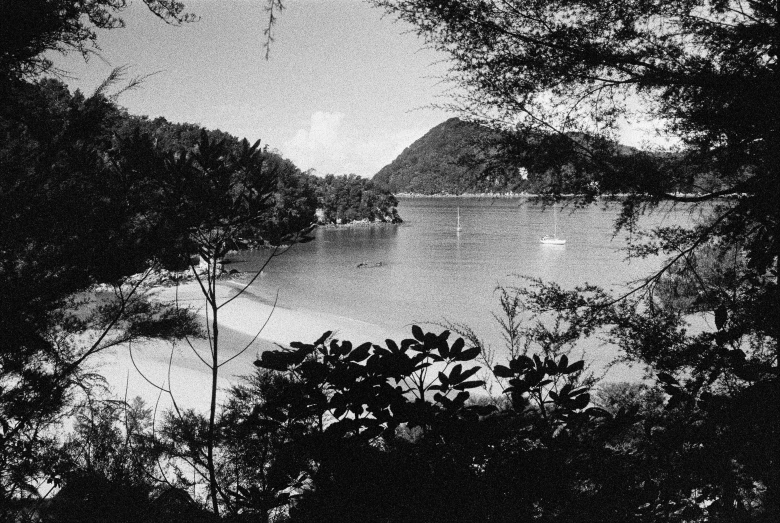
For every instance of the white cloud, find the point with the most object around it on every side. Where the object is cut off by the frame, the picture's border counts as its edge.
(319, 146)
(332, 145)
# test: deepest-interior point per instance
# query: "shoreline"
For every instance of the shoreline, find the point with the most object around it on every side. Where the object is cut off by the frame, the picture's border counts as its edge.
(525, 195)
(357, 224)
(249, 325)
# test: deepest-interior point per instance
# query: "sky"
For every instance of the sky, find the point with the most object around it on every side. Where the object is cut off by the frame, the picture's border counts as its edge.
(345, 88)
(343, 91)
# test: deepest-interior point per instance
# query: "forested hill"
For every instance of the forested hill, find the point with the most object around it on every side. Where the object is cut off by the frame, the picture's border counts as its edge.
(457, 157)
(454, 157)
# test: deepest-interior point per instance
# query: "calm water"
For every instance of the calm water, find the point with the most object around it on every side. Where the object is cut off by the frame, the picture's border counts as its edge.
(430, 272)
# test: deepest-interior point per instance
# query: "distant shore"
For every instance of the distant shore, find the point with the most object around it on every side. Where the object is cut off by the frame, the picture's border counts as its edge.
(360, 223)
(509, 195)
(465, 195)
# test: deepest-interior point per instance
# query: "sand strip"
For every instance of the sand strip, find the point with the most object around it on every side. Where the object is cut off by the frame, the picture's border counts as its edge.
(239, 320)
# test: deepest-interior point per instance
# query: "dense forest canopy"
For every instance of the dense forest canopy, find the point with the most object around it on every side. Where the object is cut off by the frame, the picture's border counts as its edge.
(453, 157)
(459, 156)
(345, 199)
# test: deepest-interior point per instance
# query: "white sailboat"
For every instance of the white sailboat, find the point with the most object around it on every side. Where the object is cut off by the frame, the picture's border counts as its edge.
(553, 240)
(458, 227)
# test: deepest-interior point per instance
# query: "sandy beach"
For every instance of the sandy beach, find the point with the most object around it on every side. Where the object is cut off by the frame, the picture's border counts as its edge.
(248, 323)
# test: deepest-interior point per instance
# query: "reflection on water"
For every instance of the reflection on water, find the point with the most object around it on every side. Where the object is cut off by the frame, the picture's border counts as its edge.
(431, 272)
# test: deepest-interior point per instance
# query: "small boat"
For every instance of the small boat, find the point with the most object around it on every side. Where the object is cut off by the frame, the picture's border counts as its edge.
(553, 240)
(458, 227)
(369, 265)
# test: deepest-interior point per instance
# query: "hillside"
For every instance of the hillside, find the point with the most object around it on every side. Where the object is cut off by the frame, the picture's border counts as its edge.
(457, 157)
(453, 157)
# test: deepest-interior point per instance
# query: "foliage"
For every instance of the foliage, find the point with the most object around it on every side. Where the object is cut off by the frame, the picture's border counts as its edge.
(107, 464)
(460, 156)
(568, 72)
(454, 157)
(384, 451)
(31, 29)
(69, 219)
(295, 199)
(345, 199)
(87, 196)
(115, 468)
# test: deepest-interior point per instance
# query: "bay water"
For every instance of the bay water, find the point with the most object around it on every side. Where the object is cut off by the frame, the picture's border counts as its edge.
(424, 271)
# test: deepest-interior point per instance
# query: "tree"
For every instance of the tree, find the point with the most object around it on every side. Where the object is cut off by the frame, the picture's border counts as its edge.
(222, 196)
(352, 198)
(69, 219)
(562, 75)
(31, 29)
(78, 205)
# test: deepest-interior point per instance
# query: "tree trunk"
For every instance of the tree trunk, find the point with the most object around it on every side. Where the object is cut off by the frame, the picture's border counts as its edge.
(212, 284)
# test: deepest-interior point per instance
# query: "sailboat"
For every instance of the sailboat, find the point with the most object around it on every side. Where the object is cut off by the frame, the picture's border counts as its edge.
(553, 240)
(458, 227)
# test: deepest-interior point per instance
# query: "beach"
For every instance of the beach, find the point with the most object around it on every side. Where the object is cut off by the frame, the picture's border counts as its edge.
(249, 324)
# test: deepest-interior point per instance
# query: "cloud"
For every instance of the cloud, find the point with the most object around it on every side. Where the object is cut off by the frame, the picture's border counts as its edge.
(322, 134)
(331, 144)
(321, 145)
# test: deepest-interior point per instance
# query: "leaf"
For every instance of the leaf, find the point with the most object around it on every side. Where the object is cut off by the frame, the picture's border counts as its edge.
(499, 371)
(361, 352)
(563, 362)
(667, 378)
(272, 360)
(461, 397)
(407, 343)
(580, 402)
(721, 316)
(469, 384)
(469, 354)
(417, 332)
(467, 374)
(457, 347)
(575, 367)
(444, 350)
(393, 346)
(322, 338)
(521, 363)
